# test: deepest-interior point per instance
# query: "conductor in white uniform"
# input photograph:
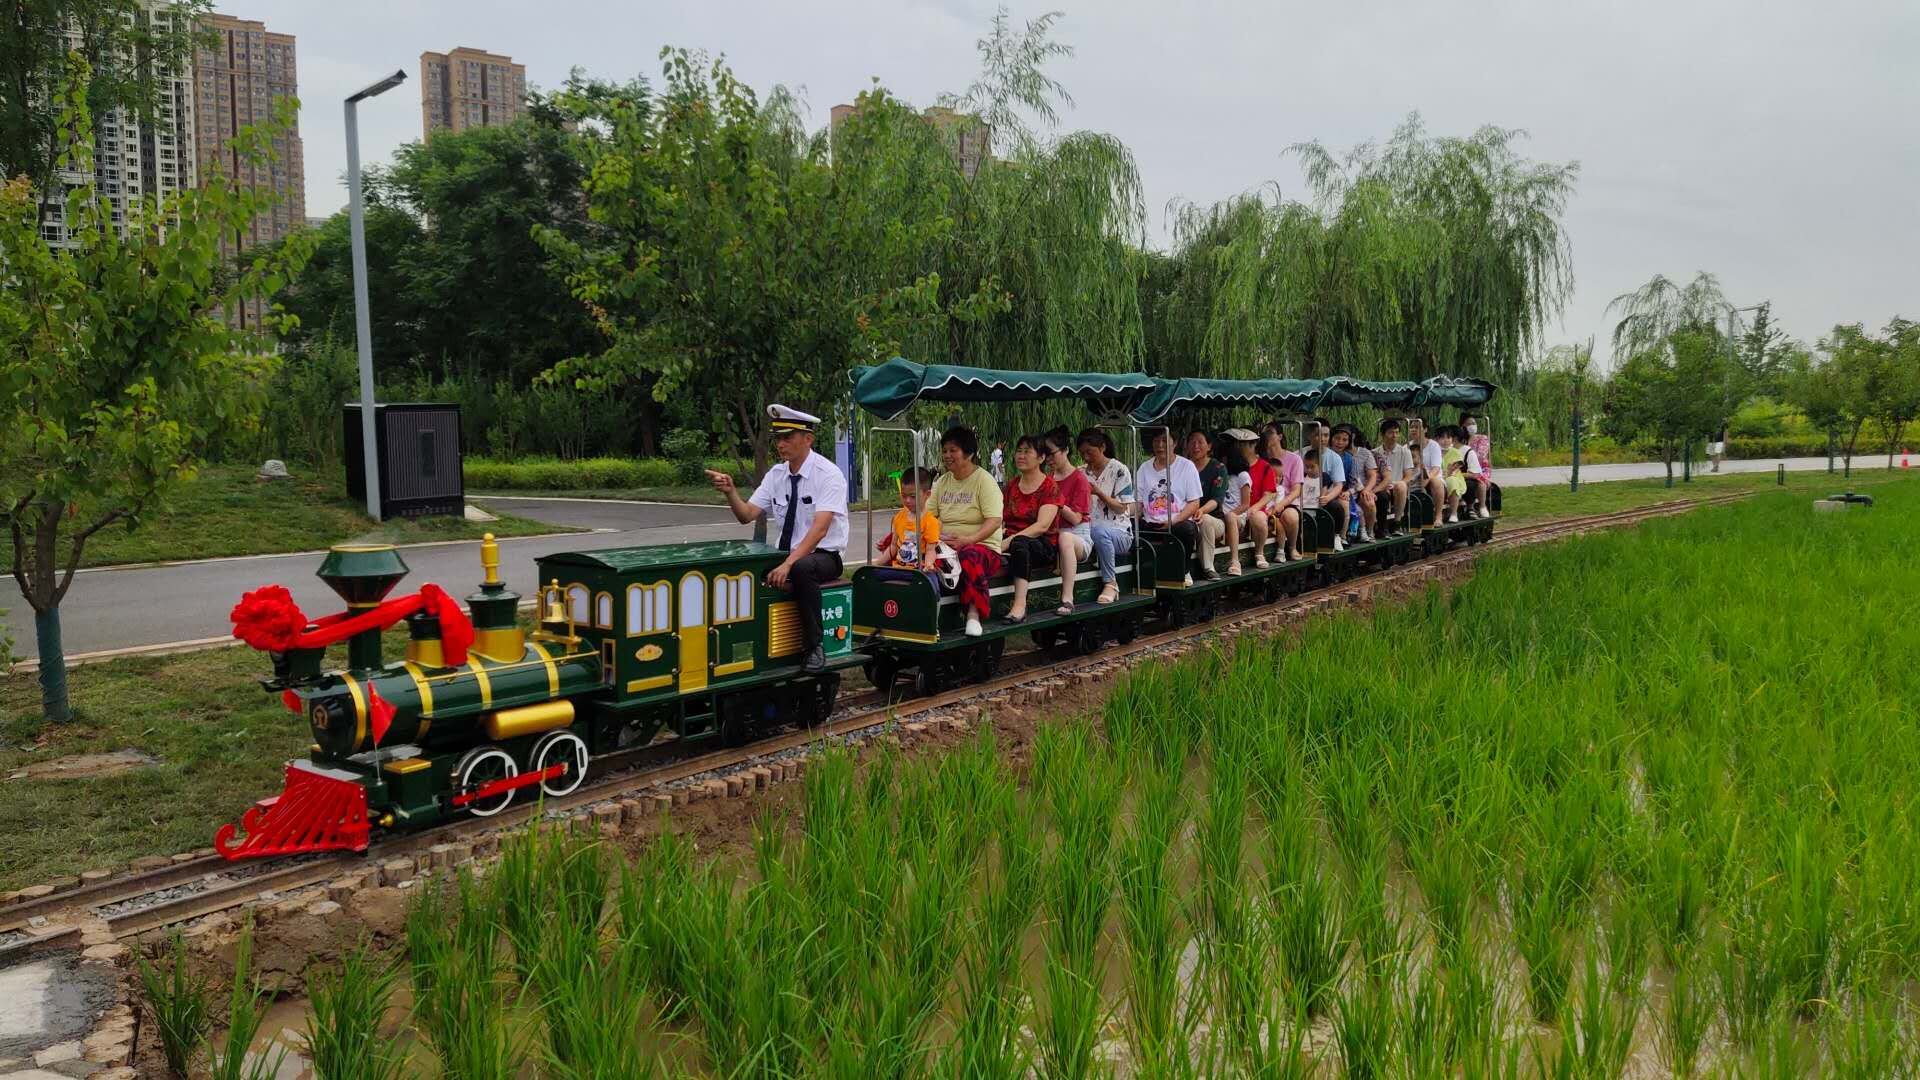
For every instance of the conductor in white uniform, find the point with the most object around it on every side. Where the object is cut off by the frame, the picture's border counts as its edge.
(805, 499)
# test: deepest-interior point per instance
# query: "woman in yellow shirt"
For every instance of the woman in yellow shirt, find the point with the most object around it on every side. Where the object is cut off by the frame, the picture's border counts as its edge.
(969, 505)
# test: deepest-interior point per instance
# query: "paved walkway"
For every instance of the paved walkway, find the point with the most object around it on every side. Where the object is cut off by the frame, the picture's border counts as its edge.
(158, 606)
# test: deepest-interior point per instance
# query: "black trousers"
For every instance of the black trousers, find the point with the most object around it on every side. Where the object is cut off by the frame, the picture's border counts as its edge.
(1026, 554)
(803, 584)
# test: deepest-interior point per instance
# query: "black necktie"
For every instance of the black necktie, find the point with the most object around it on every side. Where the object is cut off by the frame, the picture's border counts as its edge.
(793, 512)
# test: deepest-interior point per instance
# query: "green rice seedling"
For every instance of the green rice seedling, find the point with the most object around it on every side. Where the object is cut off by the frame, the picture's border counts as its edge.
(1778, 1052)
(1151, 924)
(1596, 1037)
(1690, 1009)
(1423, 1026)
(453, 952)
(1305, 914)
(1541, 936)
(648, 907)
(1080, 785)
(1805, 920)
(246, 1009)
(1444, 870)
(988, 1040)
(1469, 1009)
(346, 1010)
(1363, 1025)
(181, 1011)
(1874, 1038)
(1679, 895)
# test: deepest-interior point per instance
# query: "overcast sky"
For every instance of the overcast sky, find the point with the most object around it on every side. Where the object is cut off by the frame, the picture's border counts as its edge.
(1776, 145)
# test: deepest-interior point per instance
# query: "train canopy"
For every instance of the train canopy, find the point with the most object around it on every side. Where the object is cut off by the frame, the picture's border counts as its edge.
(887, 390)
(1288, 395)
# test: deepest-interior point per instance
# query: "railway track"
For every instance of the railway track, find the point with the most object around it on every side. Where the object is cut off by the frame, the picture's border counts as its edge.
(191, 888)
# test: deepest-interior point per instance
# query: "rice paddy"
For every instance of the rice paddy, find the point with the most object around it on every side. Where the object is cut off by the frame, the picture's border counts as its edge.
(1639, 803)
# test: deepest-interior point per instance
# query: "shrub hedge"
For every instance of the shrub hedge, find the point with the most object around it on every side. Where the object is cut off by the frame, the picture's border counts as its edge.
(583, 474)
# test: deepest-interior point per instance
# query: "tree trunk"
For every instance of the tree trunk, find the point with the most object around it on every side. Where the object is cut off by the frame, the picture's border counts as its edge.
(54, 706)
(1666, 456)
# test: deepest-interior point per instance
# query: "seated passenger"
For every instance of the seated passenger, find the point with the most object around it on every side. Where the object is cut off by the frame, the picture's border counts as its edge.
(1427, 465)
(1334, 496)
(1170, 494)
(1479, 464)
(1076, 507)
(1288, 470)
(968, 506)
(909, 547)
(1111, 488)
(1453, 465)
(1250, 494)
(1362, 477)
(1310, 479)
(1210, 522)
(1397, 473)
(1032, 504)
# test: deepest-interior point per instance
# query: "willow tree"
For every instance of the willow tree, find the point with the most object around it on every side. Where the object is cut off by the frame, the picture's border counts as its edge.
(1420, 255)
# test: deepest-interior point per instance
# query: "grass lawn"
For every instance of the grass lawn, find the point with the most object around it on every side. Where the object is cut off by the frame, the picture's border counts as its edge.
(222, 744)
(1541, 503)
(226, 511)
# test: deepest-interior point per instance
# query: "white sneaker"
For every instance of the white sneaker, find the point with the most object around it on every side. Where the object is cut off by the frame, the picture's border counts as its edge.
(1366, 536)
(1453, 518)
(973, 626)
(1260, 562)
(1187, 580)
(1233, 570)
(1339, 544)
(1485, 513)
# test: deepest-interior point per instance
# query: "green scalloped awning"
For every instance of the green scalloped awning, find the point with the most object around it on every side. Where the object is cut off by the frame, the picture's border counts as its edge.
(1447, 390)
(1342, 390)
(1290, 395)
(888, 389)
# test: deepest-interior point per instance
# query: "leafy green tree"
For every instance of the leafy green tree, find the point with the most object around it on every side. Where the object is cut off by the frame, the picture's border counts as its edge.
(115, 367)
(1656, 394)
(322, 299)
(1834, 388)
(1765, 353)
(1013, 78)
(1417, 256)
(1552, 389)
(123, 46)
(1894, 394)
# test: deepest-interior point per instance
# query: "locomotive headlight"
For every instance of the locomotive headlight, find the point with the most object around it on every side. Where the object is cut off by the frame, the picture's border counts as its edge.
(332, 721)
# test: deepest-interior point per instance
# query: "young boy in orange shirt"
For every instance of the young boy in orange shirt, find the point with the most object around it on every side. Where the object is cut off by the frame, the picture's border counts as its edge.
(910, 545)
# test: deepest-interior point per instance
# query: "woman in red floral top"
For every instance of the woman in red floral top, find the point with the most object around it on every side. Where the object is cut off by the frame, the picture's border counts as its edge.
(1032, 520)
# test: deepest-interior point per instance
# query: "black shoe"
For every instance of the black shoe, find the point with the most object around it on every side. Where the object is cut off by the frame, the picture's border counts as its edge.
(816, 661)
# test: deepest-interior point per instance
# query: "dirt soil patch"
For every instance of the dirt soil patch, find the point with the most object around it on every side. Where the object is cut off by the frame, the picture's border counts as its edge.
(84, 766)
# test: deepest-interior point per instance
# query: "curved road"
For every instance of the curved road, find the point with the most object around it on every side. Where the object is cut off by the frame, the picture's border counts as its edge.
(187, 603)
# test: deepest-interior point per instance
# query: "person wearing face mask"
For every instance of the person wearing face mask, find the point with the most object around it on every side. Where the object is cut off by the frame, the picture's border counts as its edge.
(1482, 450)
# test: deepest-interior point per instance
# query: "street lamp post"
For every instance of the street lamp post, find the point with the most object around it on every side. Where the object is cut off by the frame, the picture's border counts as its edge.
(357, 229)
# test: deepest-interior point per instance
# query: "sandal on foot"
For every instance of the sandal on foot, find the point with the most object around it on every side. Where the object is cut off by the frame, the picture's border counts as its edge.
(1107, 595)
(1063, 609)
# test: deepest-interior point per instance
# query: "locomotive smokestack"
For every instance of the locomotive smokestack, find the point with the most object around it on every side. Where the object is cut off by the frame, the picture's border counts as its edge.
(362, 575)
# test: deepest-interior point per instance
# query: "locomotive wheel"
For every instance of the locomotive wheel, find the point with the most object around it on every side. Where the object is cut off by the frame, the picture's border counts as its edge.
(1126, 628)
(561, 748)
(1044, 637)
(480, 766)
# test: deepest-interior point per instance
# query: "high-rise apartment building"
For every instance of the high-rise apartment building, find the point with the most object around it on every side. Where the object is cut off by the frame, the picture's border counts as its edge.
(237, 84)
(470, 88)
(133, 159)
